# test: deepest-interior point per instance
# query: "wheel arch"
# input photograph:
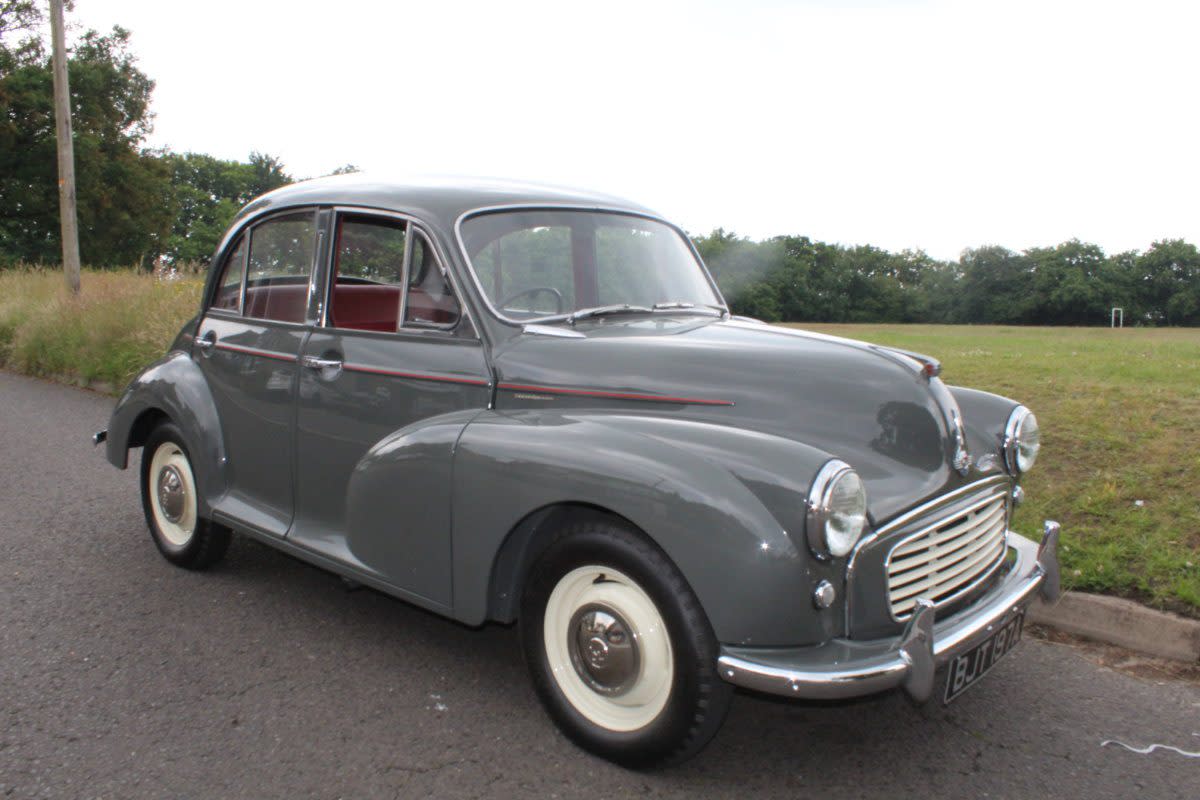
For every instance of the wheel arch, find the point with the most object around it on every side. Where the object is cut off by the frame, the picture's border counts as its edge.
(172, 388)
(143, 425)
(526, 541)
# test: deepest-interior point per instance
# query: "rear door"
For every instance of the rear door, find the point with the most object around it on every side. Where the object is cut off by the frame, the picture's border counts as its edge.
(387, 381)
(248, 348)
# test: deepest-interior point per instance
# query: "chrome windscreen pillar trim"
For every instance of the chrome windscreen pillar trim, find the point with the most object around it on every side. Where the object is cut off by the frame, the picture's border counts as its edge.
(1048, 561)
(916, 648)
(842, 668)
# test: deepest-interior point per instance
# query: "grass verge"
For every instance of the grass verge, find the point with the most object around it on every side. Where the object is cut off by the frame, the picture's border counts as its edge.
(121, 321)
(1120, 462)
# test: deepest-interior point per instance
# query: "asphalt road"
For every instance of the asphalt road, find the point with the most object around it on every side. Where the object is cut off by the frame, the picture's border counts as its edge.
(124, 677)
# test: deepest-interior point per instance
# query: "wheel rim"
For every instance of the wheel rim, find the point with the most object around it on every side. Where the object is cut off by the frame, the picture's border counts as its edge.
(608, 648)
(172, 494)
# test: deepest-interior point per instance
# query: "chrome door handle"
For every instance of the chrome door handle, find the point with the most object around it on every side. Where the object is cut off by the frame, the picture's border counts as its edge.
(206, 342)
(313, 362)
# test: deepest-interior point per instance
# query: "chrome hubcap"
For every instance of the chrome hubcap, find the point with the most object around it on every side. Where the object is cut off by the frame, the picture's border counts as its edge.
(172, 496)
(603, 652)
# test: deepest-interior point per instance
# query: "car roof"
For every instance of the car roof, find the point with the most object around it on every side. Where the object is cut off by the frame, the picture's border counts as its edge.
(440, 200)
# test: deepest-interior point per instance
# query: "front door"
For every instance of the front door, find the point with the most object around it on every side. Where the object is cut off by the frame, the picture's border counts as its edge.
(248, 349)
(386, 384)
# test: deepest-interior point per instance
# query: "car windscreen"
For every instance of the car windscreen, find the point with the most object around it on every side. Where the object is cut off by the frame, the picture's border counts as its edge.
(534, 264)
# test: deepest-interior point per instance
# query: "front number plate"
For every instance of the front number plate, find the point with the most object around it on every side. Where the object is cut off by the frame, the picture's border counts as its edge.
(972, 665)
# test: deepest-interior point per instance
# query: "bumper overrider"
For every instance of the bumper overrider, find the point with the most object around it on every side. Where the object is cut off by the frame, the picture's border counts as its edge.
(844, 668)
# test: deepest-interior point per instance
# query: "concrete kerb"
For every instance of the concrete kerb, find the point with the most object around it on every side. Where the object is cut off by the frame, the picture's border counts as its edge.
(1123, 623)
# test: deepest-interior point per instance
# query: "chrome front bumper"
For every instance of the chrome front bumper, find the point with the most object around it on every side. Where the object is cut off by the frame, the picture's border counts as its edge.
(845, 668)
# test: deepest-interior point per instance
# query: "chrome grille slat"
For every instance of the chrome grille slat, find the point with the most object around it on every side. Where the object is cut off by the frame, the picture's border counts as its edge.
(901, 571)
(952, 571)
(923, 539)
(903, 607)
(949, 553)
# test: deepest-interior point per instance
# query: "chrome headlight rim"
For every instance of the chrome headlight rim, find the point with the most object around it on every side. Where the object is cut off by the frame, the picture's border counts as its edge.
(1012, 440)
(820, 498)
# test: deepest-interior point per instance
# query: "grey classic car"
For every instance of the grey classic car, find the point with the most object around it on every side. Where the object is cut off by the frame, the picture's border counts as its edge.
(514, 403)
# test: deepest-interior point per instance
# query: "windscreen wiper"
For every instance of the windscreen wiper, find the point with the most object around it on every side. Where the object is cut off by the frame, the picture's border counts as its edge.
(604, 311)
(706, 308)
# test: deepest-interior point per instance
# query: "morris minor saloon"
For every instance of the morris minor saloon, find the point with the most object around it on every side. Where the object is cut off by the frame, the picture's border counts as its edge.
(514, 403)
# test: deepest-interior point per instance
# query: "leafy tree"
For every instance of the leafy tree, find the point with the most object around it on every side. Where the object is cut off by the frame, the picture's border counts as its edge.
(1066, 286)
(1168, 276)
(20, 21)
(123, 189)
(994, 287)
(206, 194)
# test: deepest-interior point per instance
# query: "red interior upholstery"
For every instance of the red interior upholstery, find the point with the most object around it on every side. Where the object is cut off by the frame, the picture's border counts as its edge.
(369, 307)
(283, 302)
(365, 307)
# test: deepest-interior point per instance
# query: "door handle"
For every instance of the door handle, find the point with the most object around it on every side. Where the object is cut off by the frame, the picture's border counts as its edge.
(314, 362)
(206, 342)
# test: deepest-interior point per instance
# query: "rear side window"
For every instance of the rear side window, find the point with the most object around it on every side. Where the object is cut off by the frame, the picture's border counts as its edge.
(278, 268)
(229, 286)
(387, 277)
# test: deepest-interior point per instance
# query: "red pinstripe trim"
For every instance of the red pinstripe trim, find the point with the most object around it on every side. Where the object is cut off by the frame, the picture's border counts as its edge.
(415, 375)
(655, 398)
(251, 351)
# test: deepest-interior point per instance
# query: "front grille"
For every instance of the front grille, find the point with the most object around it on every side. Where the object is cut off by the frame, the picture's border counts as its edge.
(949, 554)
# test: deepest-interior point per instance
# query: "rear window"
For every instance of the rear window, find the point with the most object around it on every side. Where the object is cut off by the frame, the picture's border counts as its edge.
(279, 266)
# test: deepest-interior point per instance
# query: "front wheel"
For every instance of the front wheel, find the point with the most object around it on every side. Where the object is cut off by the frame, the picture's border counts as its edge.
(171, 503)
(619, 649)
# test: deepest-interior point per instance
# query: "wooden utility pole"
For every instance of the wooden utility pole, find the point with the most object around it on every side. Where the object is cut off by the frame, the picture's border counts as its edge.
(66, 150)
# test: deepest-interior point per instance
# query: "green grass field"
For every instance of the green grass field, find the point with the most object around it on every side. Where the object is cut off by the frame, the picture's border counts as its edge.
(1119, 411)
(1120, 462)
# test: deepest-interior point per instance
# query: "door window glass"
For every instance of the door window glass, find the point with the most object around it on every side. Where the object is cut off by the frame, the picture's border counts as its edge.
(281, 259)
(368, 274)
(431, 302)
(229, 286)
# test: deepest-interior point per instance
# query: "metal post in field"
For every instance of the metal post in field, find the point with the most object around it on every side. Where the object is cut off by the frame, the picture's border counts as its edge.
(1117, 319)
(66, 150)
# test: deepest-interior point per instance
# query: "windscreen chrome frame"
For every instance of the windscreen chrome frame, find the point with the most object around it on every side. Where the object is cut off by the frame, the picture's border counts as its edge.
(487, 302)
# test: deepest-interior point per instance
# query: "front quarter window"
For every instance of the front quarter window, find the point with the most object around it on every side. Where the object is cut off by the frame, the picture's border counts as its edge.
(547, 263)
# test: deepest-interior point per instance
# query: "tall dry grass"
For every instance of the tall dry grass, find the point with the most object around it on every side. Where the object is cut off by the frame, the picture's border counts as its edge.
(121, 321)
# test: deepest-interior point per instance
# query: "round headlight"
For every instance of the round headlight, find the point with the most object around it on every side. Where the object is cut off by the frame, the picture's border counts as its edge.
(837, 510)
(1022, 440)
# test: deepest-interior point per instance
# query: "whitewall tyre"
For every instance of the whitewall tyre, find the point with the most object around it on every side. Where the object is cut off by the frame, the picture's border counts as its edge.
(618, 647)
(170, 501)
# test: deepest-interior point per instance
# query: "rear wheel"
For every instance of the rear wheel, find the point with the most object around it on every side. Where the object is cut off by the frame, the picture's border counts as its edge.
(171, 503)
(619, 649)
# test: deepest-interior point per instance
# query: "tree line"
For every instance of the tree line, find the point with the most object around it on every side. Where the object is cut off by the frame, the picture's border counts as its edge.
(1074, 283)
(147, 207)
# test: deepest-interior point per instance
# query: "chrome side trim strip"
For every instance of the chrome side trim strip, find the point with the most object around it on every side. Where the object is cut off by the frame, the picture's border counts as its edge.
(254, 351)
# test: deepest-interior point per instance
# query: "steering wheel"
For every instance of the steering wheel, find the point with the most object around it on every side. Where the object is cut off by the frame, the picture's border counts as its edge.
(536, 290)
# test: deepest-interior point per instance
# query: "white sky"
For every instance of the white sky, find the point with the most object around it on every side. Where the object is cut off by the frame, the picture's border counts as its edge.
(905, 124)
